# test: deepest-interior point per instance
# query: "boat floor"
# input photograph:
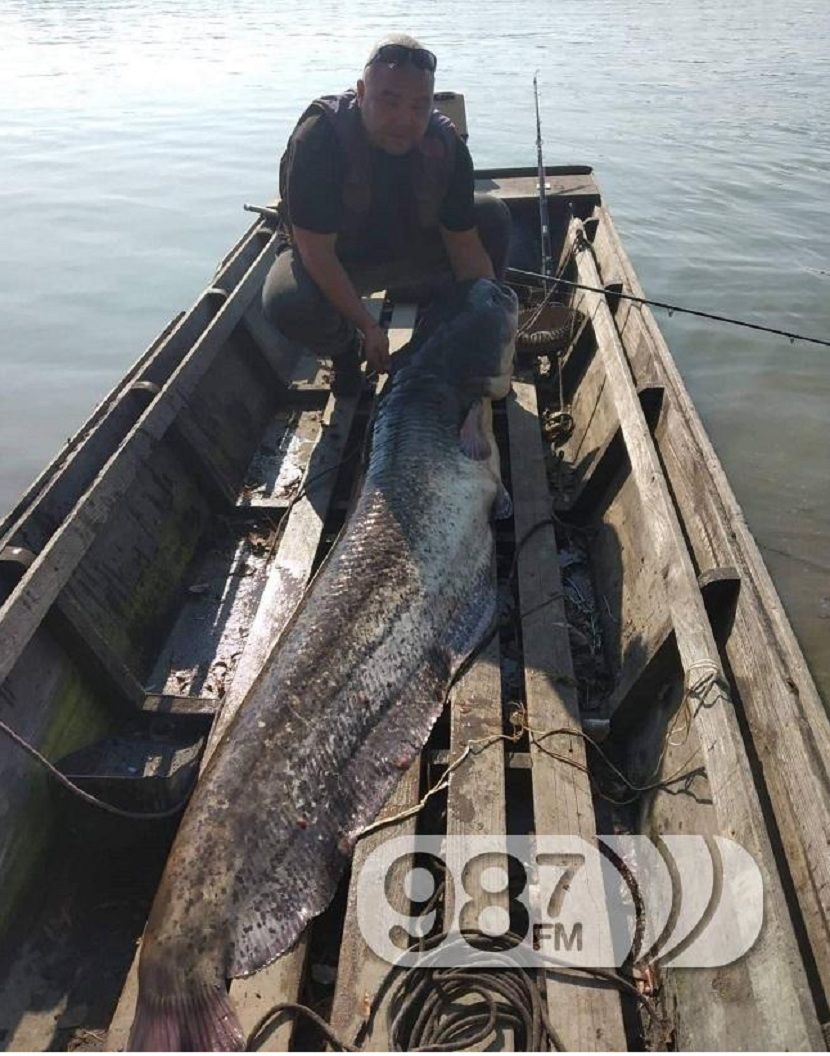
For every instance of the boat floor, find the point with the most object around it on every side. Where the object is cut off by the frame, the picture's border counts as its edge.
(629, 586)
(68, 970)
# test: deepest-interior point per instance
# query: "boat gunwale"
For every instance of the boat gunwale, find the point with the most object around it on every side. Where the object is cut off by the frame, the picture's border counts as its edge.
(78, 445)
(26, 605)
(735, 529)
(796, 716)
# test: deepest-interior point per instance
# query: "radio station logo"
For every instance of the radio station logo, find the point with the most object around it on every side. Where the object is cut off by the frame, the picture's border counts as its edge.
(682, 901)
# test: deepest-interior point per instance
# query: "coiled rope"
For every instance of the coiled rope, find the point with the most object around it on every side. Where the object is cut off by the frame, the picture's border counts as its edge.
(429, 1008)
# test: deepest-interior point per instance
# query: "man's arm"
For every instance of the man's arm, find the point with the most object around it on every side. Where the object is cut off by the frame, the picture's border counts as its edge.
(320, 260)
(457, 221)
(468, 257)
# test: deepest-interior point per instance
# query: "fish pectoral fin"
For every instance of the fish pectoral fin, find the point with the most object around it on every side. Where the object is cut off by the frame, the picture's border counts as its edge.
(502, 505)
(474, 442)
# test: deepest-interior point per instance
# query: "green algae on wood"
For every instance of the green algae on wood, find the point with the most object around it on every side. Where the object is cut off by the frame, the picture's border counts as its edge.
(79, 717)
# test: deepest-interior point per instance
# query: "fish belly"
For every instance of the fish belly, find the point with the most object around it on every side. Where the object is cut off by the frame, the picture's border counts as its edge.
(344, 703)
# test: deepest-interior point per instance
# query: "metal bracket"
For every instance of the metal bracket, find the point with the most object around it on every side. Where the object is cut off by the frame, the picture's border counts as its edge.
(17, 555)
(146, 386)
(590, 226)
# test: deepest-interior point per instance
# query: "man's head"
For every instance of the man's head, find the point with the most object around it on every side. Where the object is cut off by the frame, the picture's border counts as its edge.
(395, 93)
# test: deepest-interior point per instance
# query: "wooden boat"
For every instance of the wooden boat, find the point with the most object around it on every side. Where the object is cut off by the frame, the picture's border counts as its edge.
(149, 567)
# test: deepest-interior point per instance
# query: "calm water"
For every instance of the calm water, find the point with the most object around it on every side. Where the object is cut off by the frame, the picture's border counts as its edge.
(131, 134)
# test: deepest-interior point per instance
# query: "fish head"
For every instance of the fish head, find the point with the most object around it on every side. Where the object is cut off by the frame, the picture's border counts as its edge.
(480, 362)
(471, 338)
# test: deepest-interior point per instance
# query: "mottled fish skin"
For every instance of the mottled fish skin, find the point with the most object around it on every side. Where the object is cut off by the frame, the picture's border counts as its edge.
(357, 679)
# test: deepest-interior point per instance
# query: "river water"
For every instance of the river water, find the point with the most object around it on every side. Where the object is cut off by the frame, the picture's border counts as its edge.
(131, 134)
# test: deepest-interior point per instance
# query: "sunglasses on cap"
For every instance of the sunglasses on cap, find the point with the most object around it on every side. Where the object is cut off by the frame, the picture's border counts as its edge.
(400, 54)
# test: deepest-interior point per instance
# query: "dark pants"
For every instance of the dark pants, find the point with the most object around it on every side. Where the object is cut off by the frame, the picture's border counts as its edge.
(293, 302)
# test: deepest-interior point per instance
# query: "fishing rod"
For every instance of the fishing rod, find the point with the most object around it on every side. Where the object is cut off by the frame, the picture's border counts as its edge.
(672, 308)
(544, 215)
(546, 274)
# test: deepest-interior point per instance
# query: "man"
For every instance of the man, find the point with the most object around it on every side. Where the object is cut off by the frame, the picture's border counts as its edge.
(377, 192)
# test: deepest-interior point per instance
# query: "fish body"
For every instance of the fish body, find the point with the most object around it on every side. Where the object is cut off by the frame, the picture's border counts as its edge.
(350, 690)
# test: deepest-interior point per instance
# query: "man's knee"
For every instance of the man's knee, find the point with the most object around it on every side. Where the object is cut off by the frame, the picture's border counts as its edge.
(288, 304)
(494, 226)
(294, 304)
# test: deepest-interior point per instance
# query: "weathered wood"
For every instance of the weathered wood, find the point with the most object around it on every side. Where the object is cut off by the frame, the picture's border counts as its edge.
(50, 702)
(25, 608)
(788, 723)
(360, 972)
(401, 325)
(200, 708)
(635, 622)
(579, 188)
(608, 461)
(289, 574)
(51, 497)
(773, 966)
(122, 1020)
(273, 346)
(258, 994)
(276, 469)
(286, 582)
(198, 457)
(586, 1016)
(79, 633)
(476, 797)
(476, 804)
(73, 627)
(740, 1005)
(220, 598)
(654, 633)
(133, 576)
(595, 418)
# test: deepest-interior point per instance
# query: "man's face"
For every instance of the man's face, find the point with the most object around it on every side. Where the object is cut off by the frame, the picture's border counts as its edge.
(395, 105)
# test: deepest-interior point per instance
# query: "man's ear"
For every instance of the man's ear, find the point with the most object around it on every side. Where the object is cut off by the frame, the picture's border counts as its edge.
(361, 90)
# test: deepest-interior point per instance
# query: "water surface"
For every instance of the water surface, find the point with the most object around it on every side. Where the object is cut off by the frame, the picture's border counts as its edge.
(131, 134)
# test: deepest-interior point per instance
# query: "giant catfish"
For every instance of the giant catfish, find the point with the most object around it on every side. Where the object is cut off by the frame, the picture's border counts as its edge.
(351, 688)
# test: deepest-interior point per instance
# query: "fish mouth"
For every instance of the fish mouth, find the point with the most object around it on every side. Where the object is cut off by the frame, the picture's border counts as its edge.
(469, 338)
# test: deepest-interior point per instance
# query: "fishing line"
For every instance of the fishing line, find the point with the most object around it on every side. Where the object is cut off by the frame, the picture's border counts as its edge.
(155, 815)
(511, 999)
(672, 308)
(132, 815)
(93, 801)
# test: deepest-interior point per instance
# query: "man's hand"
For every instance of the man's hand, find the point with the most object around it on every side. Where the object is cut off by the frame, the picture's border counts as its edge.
(376, 347)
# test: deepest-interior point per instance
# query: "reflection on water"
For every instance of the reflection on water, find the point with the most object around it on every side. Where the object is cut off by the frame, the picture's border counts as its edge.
(131, 134)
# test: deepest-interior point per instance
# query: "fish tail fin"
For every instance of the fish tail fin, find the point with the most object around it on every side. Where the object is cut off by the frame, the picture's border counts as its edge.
(196, 1017)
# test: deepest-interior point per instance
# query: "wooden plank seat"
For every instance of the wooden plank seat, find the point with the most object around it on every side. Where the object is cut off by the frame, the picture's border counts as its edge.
(587, 1015)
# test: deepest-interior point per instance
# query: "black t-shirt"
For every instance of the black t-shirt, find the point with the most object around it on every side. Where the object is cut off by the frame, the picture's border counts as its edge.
(316, 174)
